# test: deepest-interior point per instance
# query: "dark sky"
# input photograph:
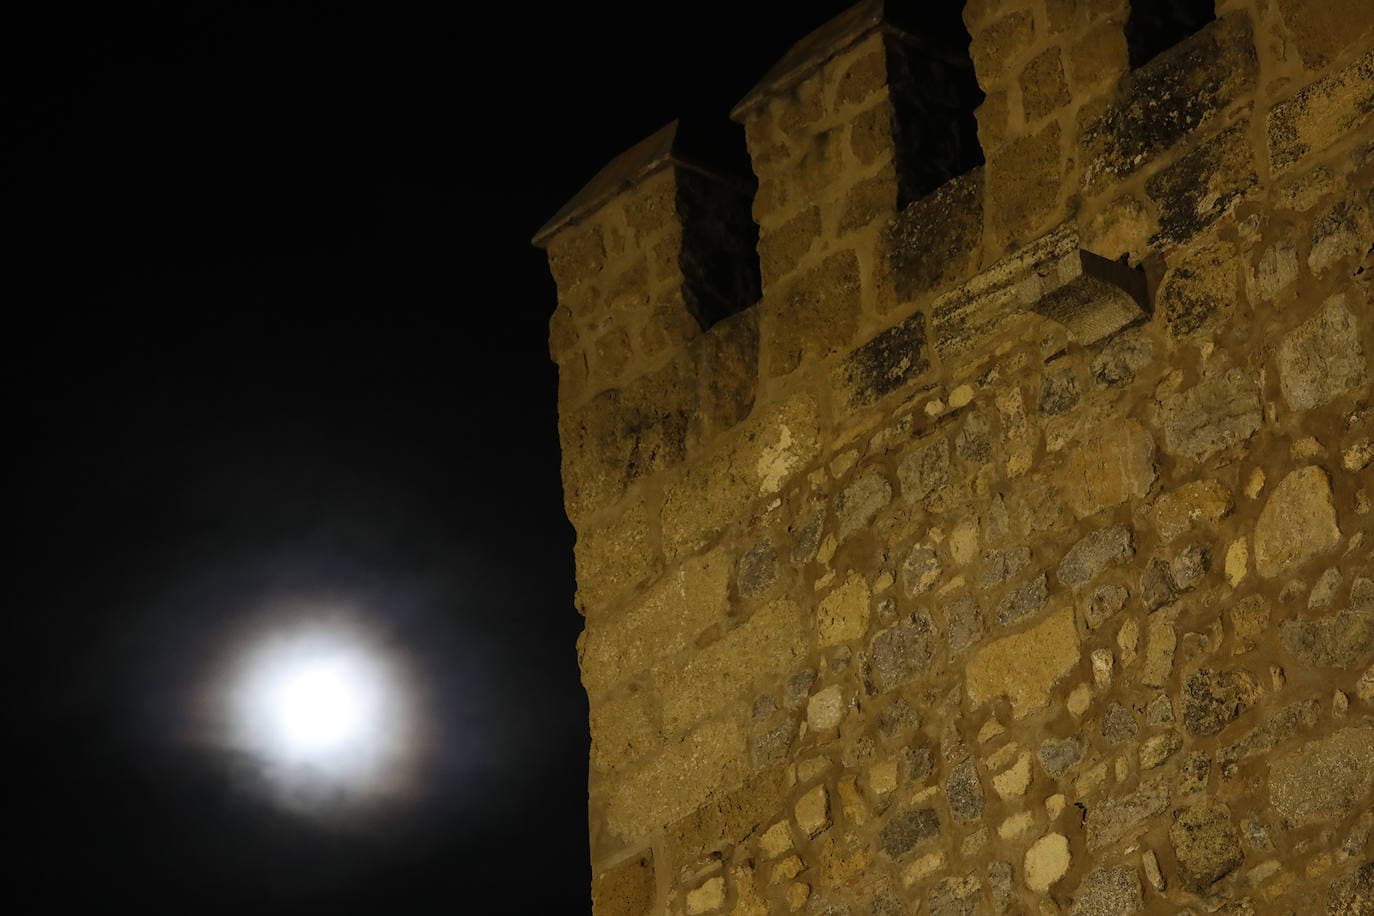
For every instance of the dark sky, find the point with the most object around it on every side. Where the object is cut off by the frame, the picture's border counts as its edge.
(275, 332)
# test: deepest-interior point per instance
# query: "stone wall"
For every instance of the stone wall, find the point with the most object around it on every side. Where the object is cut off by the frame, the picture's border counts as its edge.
(1013, 552)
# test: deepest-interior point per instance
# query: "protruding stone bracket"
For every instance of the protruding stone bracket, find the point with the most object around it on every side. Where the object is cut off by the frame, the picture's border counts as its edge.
(1089, 295)
(1099, 298)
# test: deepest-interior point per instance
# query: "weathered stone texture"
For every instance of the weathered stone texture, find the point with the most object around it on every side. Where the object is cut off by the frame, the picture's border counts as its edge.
(1321, 114)
(1206, 844)
(1298, 522)
(1216, 413)
(1327, 779)
(1201, 77)
(1322, 358)
(1025, 666)
(1012, 552)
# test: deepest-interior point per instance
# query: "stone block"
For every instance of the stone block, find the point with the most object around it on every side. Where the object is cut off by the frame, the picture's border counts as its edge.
(729, 818)
(666, 620)
(903, 652)
(625, 434)
(1052, 277)
(861, 499)
(1336, 640)
(1322, 114)
(1339, 237)
(1213, 699)
(842, 615)
(1321, 31)
(728, 371)
(1169, 98)
(783, 247)
(1206, 845)
(1109, 891)
(627, 889)
(1298, 522)
(889, 362)
(998, 43)
(1218, 412)
(1114, 817)
(1046, 861)
(770, 642)
(622, 731)
(937, 239)
(1322, 358)
(705, 765)
(1091, 555)
(1198, 294)
(1043, 86)
(1202, 186)
(614, 556)
(1206, 501)
(1024, 179)
(814, 318)
(754, 461)
(1025, 666)
(1326, 780)
(1115, 464)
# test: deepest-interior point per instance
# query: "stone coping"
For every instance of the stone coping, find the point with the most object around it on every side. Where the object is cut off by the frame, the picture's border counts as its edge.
(831, 39)
(672, 144)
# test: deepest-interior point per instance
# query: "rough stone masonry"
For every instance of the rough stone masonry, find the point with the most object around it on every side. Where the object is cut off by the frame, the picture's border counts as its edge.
(999, 544)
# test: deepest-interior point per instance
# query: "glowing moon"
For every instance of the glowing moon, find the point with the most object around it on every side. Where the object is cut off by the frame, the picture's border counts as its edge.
(322, 706)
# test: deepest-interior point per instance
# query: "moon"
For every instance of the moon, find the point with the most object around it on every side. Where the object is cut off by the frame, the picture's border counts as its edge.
(327, 709)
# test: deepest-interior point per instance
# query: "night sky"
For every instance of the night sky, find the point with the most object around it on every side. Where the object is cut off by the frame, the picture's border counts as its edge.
(276, 336)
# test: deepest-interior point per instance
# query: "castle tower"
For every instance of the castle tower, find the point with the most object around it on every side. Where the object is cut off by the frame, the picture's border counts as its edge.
(973, 505)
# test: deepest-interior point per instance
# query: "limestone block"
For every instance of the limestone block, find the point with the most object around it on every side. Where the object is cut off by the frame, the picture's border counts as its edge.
(666, 620)
(843, 614)
(1326, 779)
(1201, 77)
(1205, 501)
(769, 642)
(1297, 523)
(707, 762)
(624, 434)
(614, 556)
(998, 43)
(889, 362)
(1321, 114)
(1115, 464)
(815, 317)
(1198, 294)
(936, 240)
(1202, 186)
(1216, 413)
(1322, 31)
(1046, 861)
(1024, 179)
(753, 461)
(1043, 85)
(626, 889)
(1322, 358)
(1026, 666)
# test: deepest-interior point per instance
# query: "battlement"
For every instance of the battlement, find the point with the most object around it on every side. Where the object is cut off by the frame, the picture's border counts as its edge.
(997, 316)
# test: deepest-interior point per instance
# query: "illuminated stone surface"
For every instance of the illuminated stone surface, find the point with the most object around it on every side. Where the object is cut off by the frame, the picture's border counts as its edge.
(1002, 532)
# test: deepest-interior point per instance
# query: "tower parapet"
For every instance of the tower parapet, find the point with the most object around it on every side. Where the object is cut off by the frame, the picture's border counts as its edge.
(996, 536)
